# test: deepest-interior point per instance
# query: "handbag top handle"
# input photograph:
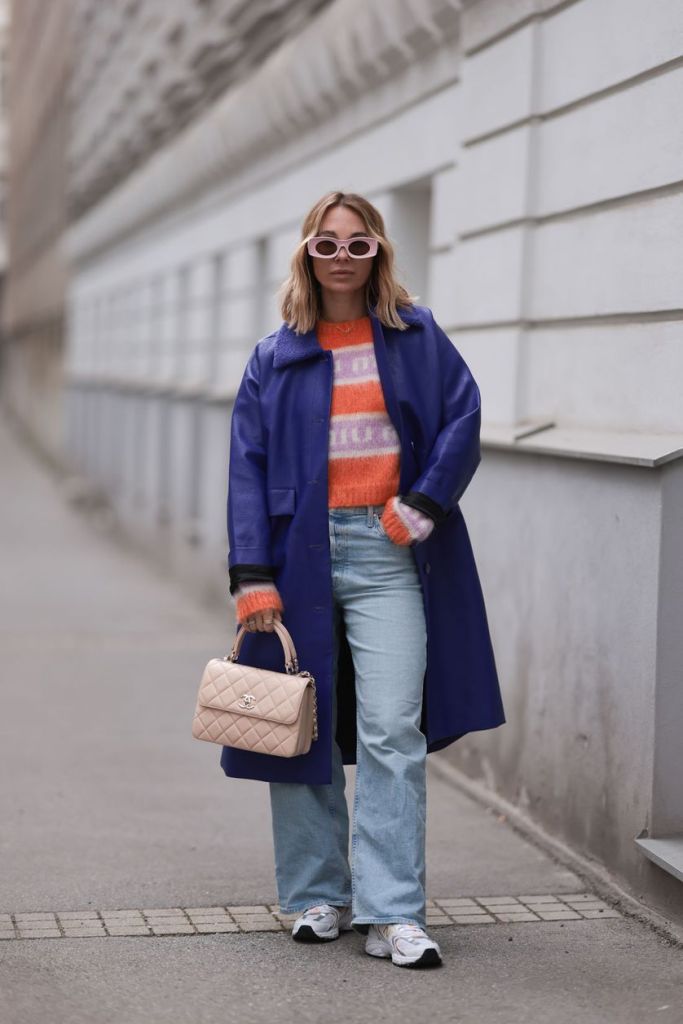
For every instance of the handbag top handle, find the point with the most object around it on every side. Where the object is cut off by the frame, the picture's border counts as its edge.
(291, 660)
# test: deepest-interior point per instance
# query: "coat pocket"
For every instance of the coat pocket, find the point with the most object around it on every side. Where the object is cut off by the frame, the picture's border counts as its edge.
(281, 501)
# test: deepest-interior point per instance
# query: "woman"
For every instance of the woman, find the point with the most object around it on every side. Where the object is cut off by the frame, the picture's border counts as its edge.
(354, 433)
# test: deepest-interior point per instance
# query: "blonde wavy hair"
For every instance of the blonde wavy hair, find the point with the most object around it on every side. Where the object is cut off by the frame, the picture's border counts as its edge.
(300, 296)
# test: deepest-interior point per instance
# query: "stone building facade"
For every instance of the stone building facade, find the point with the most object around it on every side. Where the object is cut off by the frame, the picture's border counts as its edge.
(32, 380)
(526, 155)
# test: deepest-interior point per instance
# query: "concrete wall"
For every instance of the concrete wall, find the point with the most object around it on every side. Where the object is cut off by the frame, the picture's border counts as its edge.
(528, 169)
(568, 309)
(573, 556)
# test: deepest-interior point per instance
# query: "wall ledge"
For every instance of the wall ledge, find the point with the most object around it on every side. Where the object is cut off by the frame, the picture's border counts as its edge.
(666, 852)
(633, 448)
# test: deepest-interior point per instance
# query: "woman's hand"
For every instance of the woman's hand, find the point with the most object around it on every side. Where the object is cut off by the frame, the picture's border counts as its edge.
(258, 605)
(403, 524)
(262, 622)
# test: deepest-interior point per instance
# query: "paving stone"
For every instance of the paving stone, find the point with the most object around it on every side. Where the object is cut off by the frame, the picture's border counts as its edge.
(509, 918)
(601, 913)
(5, 919)
(494, 901)
(219, 926)
(163, 912)
(179, 929)
(24, 929)
(538, 899)
(573, 897)
(463, 901)
(536, 908)
(205, 911)
(78, 915)
(559, 915)
(437, 920)
(113, 914)
(125, 922)
(473, 919)
(40, 933)
(198, 920)
(246, 926)
(84, 933)
(175, 925)
(167, 919)
(37, 917)
(255, 923)
(542, 896)
(264, 915)
(467, 909)
(69, 925)
(259, 908)
(590, 905)
(89, 926)
(6, 935)
(122, 929)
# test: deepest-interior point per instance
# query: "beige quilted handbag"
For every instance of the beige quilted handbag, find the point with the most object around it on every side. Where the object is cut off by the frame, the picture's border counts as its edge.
(255, 708)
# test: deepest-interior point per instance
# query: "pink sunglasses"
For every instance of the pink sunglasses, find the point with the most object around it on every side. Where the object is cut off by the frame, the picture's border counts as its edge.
(359, 247)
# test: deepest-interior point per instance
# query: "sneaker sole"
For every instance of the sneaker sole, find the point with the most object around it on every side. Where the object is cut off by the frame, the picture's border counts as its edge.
(428, 958)
(307, 934)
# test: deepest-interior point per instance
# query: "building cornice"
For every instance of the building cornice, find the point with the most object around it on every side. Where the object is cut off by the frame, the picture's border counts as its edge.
(346, 51)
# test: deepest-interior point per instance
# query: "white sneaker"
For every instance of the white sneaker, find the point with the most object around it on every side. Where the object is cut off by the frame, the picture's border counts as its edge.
(408, 945)
(322, 923)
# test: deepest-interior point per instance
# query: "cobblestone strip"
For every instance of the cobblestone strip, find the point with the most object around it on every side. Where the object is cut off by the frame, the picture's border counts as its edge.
(445, 910)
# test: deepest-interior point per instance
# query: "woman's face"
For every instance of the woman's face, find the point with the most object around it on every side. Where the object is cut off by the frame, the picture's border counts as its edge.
(342, 275)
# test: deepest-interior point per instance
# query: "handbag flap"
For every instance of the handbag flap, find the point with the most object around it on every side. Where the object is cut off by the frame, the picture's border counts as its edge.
(256, 692)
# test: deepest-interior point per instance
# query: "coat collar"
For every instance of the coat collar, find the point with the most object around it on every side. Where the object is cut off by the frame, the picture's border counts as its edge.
(291, 347)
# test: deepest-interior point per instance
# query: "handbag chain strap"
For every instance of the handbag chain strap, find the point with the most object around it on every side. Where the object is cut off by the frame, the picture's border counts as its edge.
(315, 702)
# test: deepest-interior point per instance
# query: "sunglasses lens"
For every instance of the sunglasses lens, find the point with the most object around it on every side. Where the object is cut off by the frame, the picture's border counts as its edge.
(359, 247)
(325, 246)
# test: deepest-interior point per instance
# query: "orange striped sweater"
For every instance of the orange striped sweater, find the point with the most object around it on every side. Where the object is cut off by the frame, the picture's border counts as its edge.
(364, 449)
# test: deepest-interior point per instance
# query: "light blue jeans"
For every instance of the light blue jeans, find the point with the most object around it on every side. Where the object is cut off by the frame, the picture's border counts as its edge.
(377, 590)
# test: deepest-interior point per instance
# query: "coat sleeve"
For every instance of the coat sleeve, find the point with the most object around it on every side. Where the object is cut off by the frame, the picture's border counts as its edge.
(455, 453)
(249, 554)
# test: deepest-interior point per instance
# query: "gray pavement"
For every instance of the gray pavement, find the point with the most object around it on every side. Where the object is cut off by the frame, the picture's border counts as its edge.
(108, 802)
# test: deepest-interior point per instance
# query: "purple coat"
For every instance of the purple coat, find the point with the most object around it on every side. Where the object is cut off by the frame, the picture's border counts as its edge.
(278, 528)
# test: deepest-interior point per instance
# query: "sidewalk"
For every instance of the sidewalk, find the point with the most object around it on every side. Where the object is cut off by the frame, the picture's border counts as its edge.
(111, 809)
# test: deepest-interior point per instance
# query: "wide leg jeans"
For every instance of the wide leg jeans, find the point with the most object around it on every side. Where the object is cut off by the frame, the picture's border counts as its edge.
(377, 590)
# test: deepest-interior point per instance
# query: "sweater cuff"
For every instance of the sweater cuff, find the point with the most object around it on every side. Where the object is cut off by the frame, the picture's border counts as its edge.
(403, 524)
(251, 598)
